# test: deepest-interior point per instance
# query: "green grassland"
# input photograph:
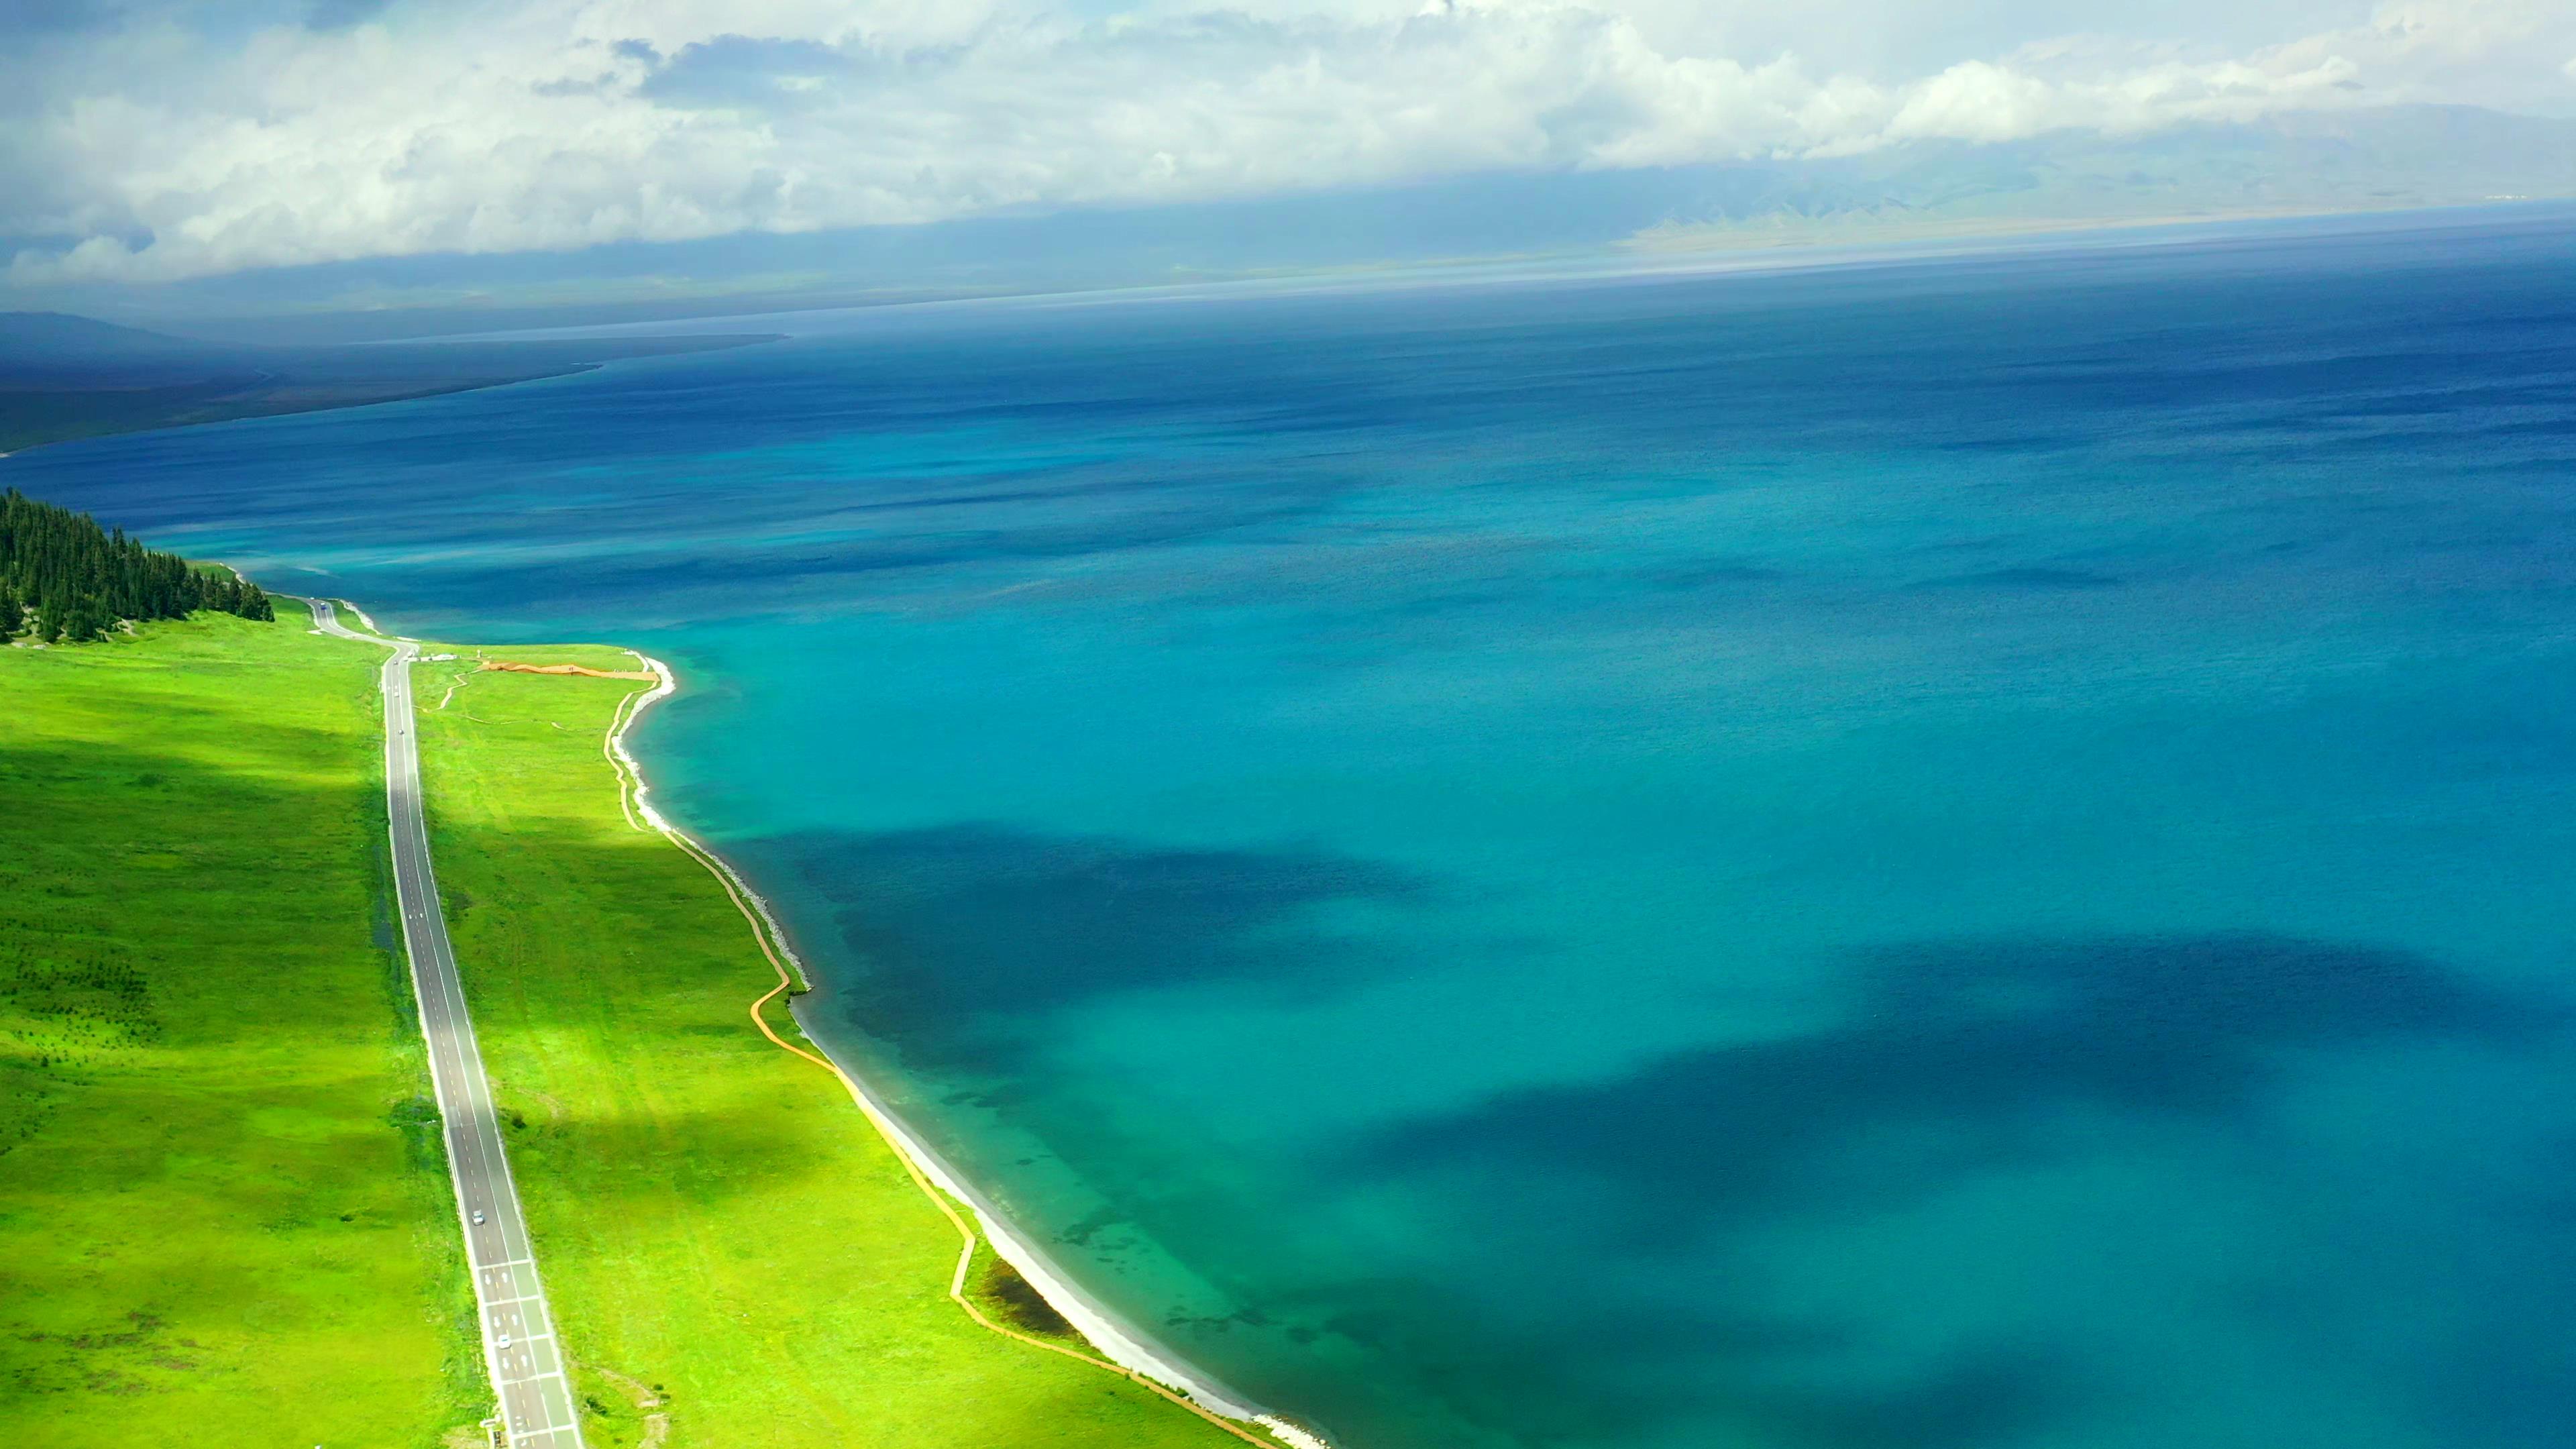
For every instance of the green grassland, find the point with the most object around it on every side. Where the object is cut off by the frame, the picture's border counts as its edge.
(224, 1216)
(715, 1219)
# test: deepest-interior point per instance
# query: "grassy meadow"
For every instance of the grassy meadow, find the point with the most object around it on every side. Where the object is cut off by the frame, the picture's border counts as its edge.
(718, 1224)
(224, 1216)
(224, 1213)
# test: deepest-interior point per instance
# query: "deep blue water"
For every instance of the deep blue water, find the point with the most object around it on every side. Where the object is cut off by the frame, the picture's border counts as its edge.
(1957, 854)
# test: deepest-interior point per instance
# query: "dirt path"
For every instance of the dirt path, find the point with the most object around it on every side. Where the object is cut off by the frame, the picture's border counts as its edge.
(657, 1427)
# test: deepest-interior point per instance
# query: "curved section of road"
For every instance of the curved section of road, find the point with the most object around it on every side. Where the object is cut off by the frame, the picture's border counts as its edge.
(538, 1410)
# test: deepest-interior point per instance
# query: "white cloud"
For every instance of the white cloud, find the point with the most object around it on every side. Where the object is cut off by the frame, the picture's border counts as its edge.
(168, 149)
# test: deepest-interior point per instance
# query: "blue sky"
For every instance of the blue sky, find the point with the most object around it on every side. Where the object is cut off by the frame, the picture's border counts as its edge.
(150, 142)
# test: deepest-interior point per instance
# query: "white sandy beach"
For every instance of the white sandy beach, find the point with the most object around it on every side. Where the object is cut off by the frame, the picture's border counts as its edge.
(1119, 1342)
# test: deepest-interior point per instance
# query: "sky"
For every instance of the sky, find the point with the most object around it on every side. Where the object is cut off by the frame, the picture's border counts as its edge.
(150, 142)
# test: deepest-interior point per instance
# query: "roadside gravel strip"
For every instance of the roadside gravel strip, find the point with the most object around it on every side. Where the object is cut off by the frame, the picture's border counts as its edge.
(519, 1343)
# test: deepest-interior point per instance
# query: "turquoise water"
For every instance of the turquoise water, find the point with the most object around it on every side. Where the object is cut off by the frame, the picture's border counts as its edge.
(1958, 854)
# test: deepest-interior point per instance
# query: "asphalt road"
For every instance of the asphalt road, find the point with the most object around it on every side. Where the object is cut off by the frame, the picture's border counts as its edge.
(519, 1345)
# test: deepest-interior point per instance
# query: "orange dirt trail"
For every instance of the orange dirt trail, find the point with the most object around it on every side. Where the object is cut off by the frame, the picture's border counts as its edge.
(511, 668)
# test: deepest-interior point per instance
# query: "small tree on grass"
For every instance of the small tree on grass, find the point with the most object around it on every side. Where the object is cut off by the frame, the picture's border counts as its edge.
(85, 620)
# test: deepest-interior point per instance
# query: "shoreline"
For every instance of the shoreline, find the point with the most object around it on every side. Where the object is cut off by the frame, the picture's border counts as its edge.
(1121, 1344)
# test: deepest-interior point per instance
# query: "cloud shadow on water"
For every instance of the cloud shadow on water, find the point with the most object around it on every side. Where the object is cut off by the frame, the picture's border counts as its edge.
(2044, 580)
(961, 937)
(1576, 1373)
(1958, 1053)
(1972, 1400)
(1951, 1059)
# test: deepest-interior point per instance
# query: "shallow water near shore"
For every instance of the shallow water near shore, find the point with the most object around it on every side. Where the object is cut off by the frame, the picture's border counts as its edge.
(1962, 854)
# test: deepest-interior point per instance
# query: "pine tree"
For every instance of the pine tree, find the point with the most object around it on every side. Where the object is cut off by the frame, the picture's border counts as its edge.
(80, 580)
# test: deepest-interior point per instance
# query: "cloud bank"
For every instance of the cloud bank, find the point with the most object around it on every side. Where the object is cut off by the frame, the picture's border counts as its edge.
(157, 140)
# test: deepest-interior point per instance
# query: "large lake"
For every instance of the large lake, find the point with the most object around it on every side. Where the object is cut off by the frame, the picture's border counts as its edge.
(1967, 853)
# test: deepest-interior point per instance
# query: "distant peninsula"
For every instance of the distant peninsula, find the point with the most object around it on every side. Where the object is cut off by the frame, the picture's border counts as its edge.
(64, 377)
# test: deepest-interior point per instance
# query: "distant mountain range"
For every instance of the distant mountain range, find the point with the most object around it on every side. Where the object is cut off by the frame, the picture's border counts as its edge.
(2297, 164)
(2311, 163)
